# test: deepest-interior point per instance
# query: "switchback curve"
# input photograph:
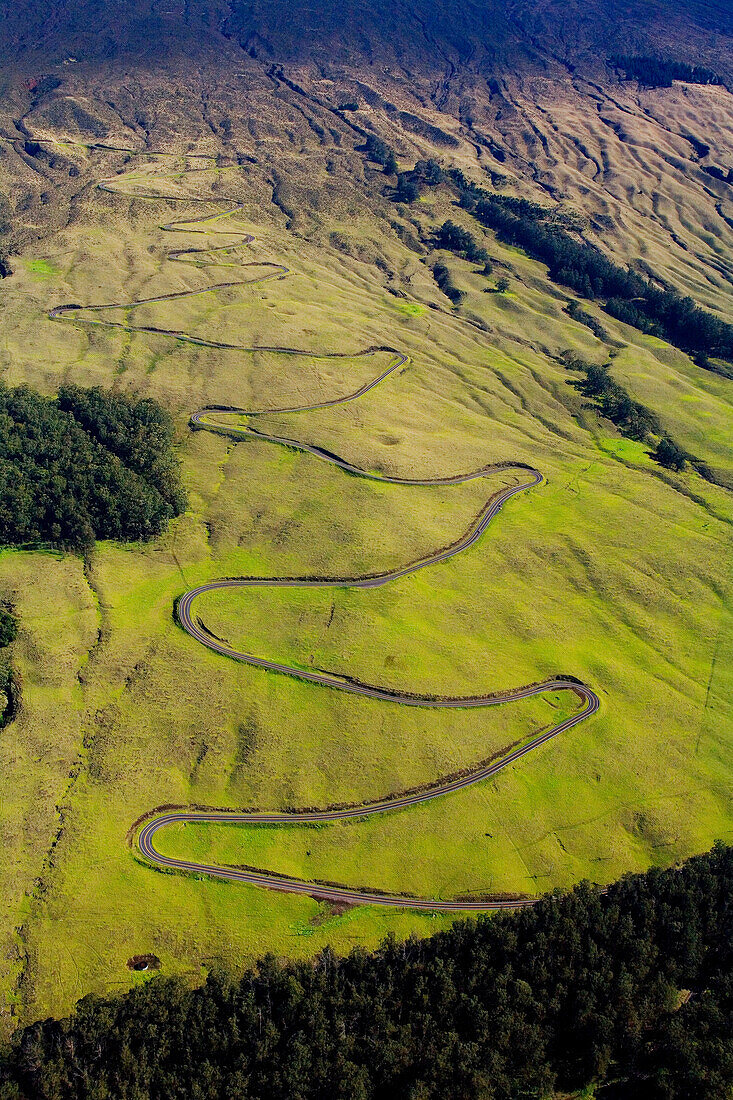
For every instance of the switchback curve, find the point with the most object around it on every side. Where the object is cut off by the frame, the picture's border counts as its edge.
(201, 420)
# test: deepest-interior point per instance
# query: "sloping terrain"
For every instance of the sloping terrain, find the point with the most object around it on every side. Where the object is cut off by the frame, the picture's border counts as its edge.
(615, 570)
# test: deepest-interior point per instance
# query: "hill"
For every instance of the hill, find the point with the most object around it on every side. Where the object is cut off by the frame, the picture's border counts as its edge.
(243, 218)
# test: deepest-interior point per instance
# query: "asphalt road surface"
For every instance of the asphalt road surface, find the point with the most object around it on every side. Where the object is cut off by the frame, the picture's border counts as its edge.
(527, 478)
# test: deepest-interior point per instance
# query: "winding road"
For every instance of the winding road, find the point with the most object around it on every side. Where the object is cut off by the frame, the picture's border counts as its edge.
(156, 820)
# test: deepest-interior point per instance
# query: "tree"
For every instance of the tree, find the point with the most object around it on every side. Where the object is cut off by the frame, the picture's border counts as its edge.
(443, 278)
(502, 285)
(542, 1001)
(656, 72)
(613, 402)
(429, 172)
(390, 164)
(669, 455)
(378, 151)
(88, 465)
(456, 239)
(629, 296)
(407, 190)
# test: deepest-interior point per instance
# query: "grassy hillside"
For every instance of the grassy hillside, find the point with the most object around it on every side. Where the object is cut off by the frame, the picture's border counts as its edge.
(613, 570)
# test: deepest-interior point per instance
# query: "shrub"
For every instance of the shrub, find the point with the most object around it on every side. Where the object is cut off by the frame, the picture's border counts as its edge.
(8, 627)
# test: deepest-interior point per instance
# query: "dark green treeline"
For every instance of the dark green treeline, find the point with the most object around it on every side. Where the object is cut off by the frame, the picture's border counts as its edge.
(630, 986)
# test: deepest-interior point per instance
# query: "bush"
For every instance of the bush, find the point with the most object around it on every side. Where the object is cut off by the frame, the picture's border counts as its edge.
(8, 627)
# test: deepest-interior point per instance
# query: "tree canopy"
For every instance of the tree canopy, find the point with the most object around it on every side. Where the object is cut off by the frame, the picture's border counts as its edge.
(658, 72)
(456, 239)
(87, 465)
(629, 984)
(626, 295)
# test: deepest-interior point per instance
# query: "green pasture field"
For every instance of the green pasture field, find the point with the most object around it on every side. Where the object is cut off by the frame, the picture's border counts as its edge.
(613, 571)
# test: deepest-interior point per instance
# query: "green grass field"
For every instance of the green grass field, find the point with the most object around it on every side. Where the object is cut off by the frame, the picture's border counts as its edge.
(613, 571)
